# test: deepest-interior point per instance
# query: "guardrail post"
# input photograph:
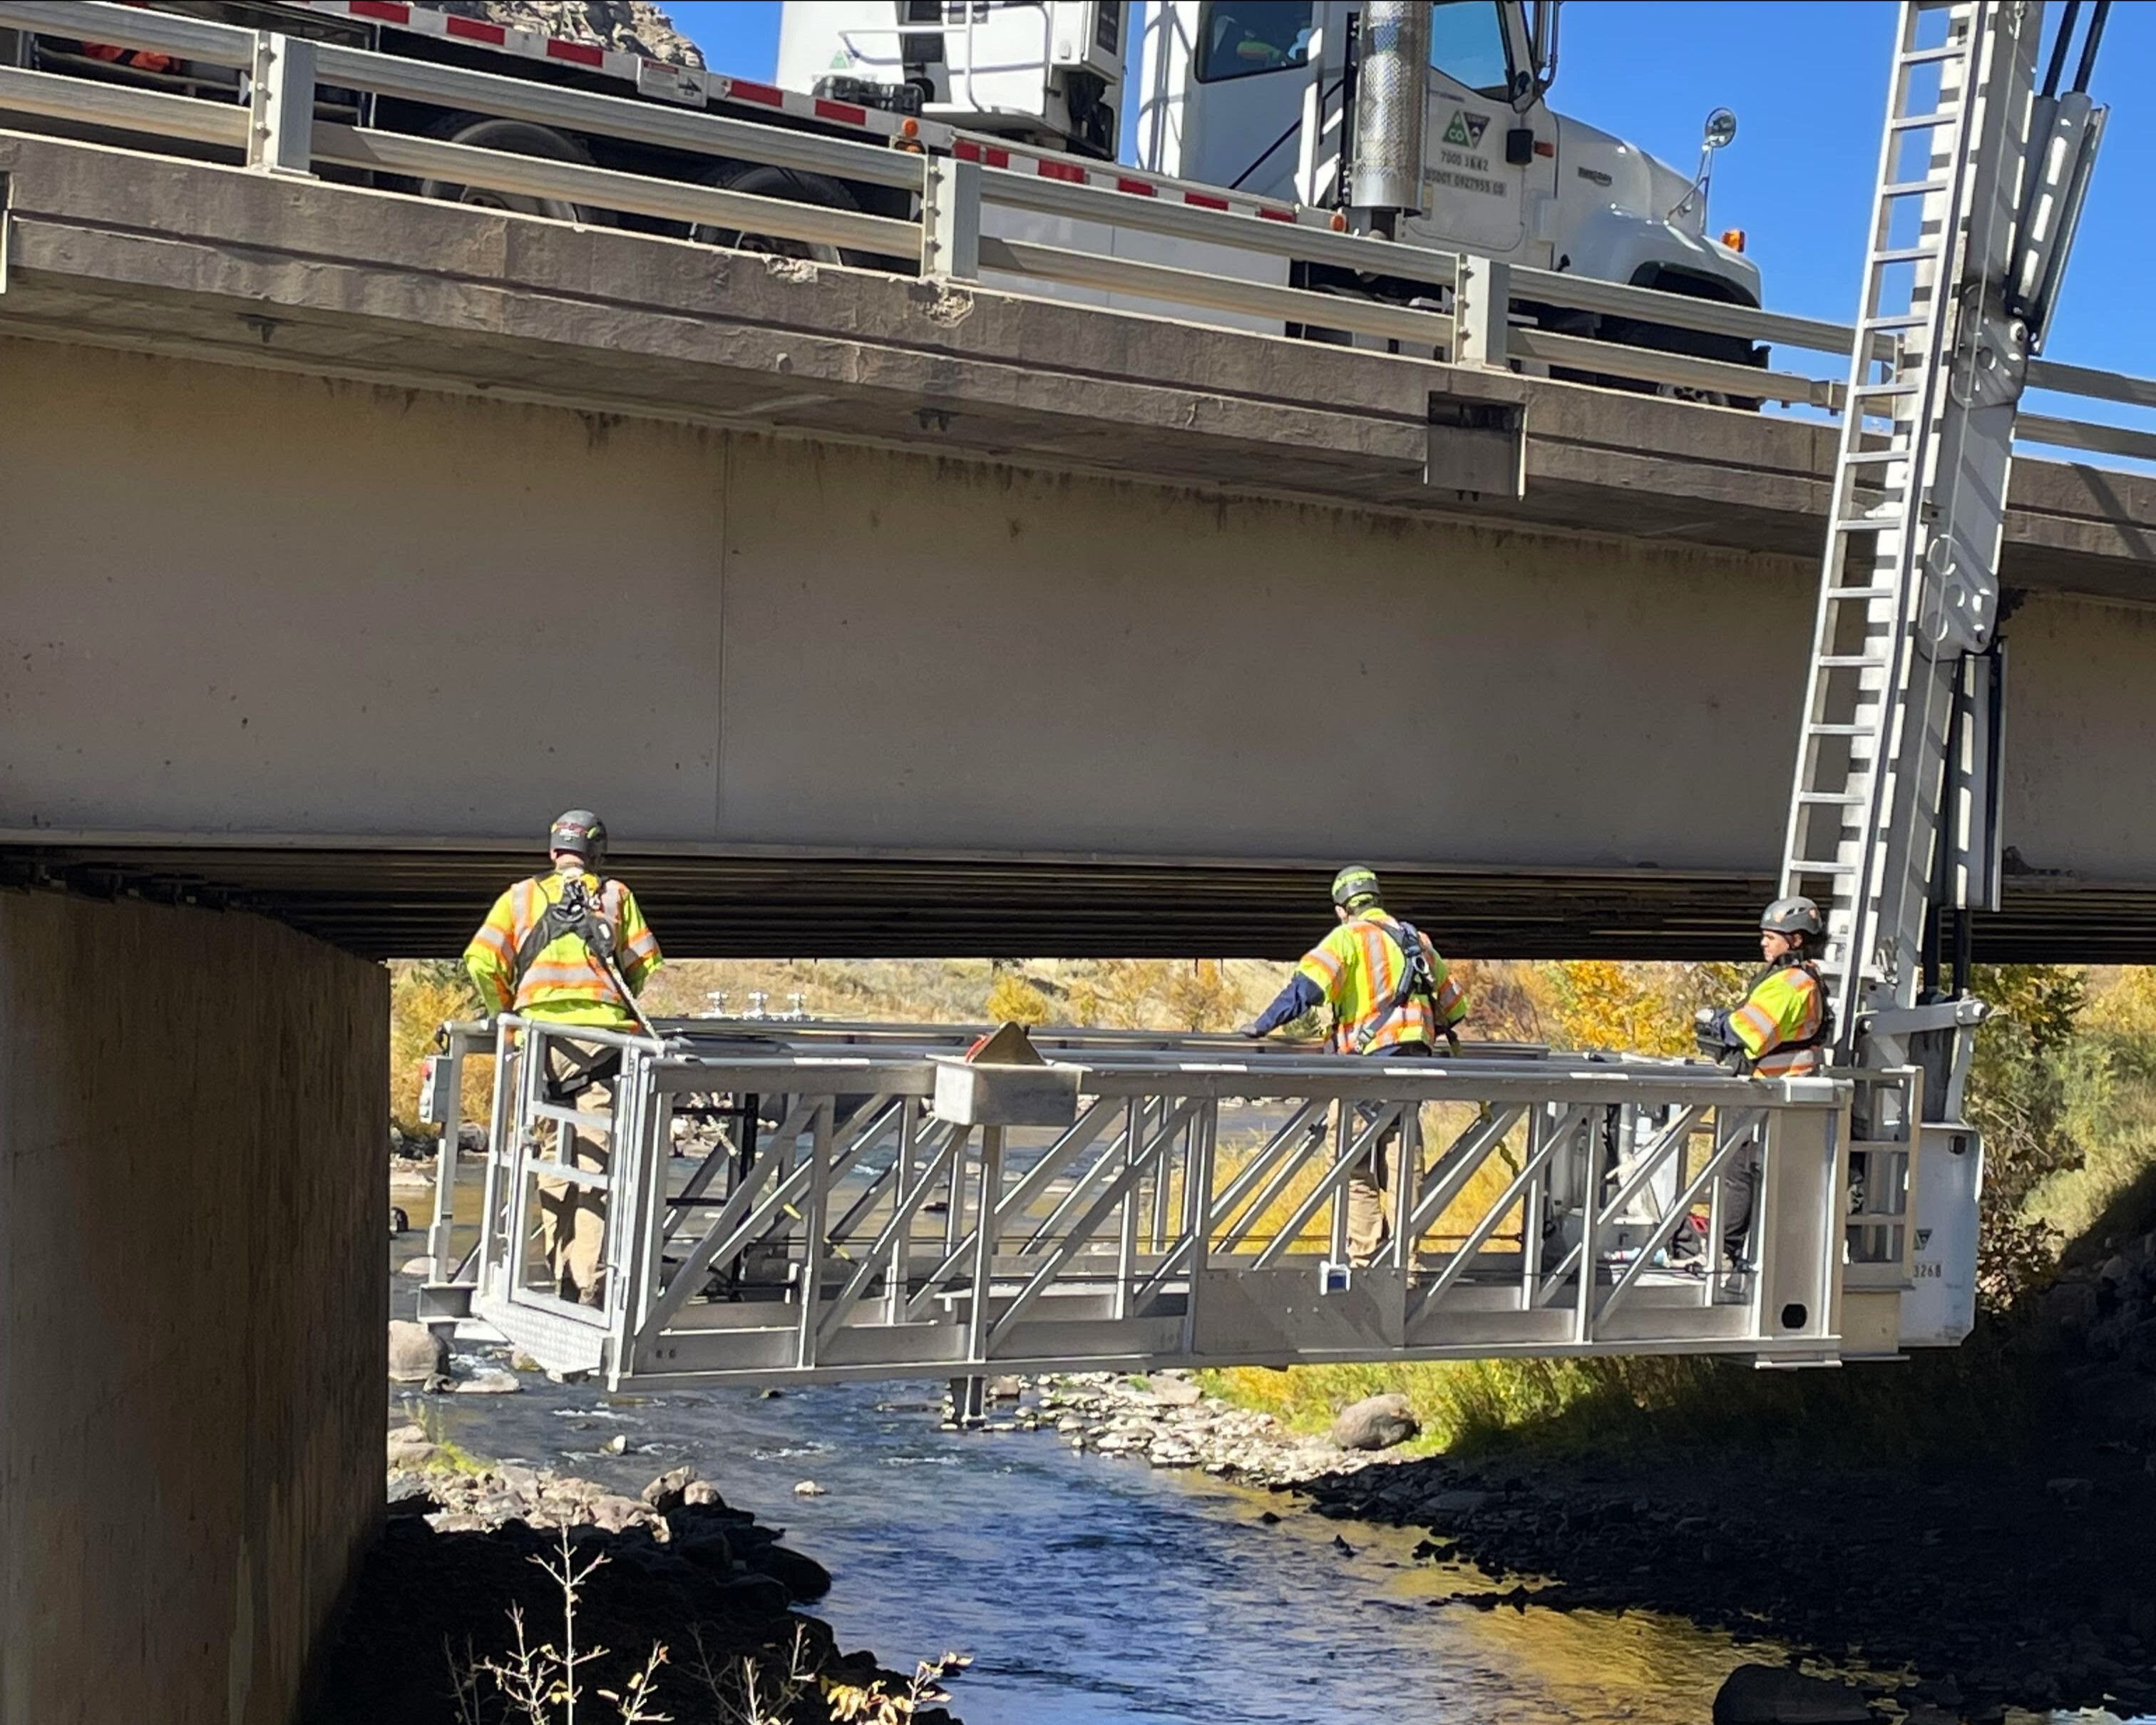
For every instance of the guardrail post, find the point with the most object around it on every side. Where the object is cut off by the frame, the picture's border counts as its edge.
(951, 217)
(281, 135)
(1481, 303)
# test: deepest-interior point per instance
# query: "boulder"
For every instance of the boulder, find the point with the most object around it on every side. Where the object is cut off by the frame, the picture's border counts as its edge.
(803, 1577)
(489, 1380)
(671, 1490)
(1005, 1388)
(702, 1494)
(1175, 1392)
(416, 1267)
(1376, 1422)
(408, 1496)
(1777, 1695)
(411, 1453)
(416, 1352)
(809, 1488)
(615, 1513)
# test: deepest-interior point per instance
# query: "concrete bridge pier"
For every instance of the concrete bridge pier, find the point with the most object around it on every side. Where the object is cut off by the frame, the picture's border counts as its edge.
(192, 1286)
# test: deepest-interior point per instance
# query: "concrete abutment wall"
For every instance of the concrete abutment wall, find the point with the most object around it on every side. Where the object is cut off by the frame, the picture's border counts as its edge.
(192, 1284)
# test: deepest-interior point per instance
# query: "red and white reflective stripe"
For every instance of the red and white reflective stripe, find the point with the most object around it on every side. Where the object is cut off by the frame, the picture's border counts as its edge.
(689, 87)
(1109, 176)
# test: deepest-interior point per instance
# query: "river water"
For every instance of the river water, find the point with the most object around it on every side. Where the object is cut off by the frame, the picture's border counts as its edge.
(1092, 1589)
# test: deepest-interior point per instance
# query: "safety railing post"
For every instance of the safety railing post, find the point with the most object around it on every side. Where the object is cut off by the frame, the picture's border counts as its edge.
(281, 132)
(438, 1254)
(950, 217)
(1481, 303)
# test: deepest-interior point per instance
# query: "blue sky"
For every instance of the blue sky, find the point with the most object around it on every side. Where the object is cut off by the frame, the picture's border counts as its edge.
(1808, 79)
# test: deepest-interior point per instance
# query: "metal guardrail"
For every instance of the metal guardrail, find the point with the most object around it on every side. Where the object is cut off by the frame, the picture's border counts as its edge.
(851, 1211)
(1469, 319)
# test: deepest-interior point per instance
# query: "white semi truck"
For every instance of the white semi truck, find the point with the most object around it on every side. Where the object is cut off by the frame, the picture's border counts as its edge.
(1300, 109)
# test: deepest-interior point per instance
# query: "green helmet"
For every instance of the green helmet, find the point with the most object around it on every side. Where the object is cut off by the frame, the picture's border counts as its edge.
(1355, 884)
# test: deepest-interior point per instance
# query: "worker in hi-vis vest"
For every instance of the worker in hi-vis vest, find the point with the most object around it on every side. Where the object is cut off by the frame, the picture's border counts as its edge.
(570, 948)
(1780, 1029)
(1391, 995)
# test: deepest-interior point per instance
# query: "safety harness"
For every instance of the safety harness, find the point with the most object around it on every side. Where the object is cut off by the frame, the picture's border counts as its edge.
(573, 1069)
(1416, 978)
(574, 913)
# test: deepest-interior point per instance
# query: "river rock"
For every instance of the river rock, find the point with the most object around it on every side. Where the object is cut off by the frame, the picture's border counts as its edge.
(489, 1380)
(671, 1490)
(809, 1488)
(614, 1512)
(1776, 1695)
(411, 1448)
(702, 1494)
(803, 1577)
(1376, 1422)
(1005, 1388)
(416, 1352)
(1175, 1392)
(416, 1266)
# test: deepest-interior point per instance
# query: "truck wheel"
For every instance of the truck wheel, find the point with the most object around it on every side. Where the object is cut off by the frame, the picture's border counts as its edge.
(763, 179)
(518, 138)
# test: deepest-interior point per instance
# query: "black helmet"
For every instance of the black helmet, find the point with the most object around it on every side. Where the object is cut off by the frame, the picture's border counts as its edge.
(1356, 883)
(580, 831)
(1792, 915)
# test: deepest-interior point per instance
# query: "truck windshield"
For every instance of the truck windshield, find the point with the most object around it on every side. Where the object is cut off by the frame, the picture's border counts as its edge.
(1237, 38)
(1467, 44)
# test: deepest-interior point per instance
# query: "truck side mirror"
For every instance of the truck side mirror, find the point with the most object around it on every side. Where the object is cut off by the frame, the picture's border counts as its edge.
(1721, 129)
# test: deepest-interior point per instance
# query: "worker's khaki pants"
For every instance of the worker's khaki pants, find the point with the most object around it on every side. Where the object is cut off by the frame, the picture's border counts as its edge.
(572, 1217)
(1369, 1182)
(1375, 1176)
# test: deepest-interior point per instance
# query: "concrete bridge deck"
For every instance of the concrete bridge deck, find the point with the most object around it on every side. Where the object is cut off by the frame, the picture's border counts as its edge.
(939, 618)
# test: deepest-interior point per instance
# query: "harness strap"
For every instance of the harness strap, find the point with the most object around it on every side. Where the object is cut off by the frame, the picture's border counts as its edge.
(558, 919)
(1416, 978)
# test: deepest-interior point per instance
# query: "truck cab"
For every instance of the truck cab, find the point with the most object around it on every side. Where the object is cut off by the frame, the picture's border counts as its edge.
(1047, 72)
(1259, 95)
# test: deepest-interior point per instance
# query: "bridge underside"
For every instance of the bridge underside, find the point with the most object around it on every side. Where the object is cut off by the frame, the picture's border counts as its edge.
(404, 903)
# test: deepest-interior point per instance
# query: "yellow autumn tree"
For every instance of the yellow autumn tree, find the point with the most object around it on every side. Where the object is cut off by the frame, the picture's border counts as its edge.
(1013, 1000)
(422, 997)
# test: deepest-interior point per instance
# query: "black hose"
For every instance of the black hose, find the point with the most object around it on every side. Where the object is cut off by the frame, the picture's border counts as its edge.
(2053, 72)
(2087, 66)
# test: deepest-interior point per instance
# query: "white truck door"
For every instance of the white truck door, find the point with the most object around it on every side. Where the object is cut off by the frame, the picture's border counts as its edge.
(1223, 82)
(1476, 199)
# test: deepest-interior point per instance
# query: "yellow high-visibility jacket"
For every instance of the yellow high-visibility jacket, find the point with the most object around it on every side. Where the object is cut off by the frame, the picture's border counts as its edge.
(1358, 968)
(1786, 1006)
(563, 982)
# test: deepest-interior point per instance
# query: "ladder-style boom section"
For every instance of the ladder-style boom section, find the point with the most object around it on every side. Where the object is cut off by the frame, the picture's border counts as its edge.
(1893, 811)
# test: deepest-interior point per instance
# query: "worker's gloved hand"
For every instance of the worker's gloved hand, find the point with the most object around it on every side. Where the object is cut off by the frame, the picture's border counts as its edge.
(1710, 1029)
(1251, 1030)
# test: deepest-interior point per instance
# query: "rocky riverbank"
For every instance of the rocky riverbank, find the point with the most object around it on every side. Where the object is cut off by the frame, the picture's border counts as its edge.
(676, 1585)
(2023, 1578)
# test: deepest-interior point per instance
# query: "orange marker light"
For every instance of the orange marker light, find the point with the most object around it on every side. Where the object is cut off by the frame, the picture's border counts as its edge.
(1733, 237)
(910, 127)
(1339, 222)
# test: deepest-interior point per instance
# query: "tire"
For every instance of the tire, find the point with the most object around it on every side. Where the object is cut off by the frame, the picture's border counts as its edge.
(763, 179)
(518, 138)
